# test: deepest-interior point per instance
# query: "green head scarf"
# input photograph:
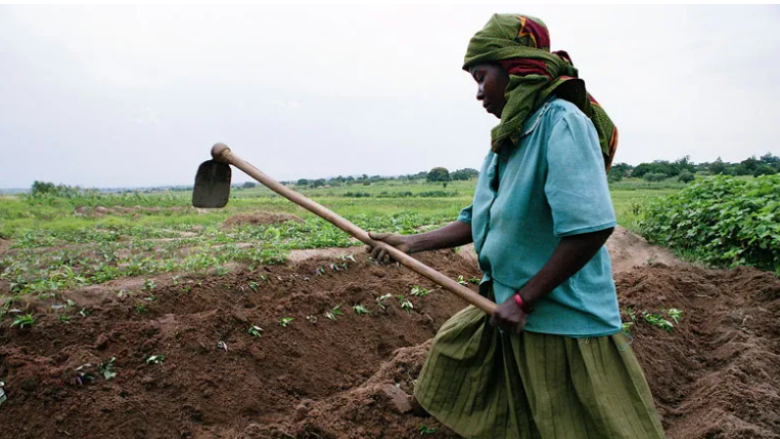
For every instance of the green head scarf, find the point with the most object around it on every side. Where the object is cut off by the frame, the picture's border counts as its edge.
(521, 45)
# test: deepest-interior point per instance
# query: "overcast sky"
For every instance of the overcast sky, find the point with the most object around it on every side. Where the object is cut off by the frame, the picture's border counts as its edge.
(104, 96)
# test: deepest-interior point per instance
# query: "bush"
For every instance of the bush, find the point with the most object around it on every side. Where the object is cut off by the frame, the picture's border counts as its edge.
(764, 170)
(654, 176)
(686, 177)
(721, 220)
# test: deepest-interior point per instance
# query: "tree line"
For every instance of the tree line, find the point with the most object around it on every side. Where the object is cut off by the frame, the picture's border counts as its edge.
(684, 169)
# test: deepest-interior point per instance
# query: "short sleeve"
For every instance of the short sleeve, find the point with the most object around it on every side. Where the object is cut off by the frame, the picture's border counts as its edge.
(465, 215)
(576, 185)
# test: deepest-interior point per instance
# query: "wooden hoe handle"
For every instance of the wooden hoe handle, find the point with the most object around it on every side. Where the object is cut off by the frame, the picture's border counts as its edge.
(221, 153)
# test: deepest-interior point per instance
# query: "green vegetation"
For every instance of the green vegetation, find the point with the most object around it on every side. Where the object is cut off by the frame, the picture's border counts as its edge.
(285, 321)
(721, 221)
(107, 369)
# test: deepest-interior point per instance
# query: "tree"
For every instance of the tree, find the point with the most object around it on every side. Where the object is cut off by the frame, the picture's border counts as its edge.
(654, 176)
(718, 167)
(302, 182)
(438, 175)
(464, 174)
(249, 185)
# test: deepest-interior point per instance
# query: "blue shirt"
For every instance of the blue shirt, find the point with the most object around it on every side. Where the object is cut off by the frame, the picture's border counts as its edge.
(527, 198)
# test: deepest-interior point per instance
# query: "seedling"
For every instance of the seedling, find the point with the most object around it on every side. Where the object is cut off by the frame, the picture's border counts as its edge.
(626, 327)
(82, 375)
(334, 313)
(657, 320)
(427, 430)
(84, 312)
(419, 291)
(319, 271)
(381, 299)
(475, 280)
(285, 321)
(462, 281)
(107, 369)
(140, 308)
(406, 305)
(253, 285)
(347, 258)
(255, 331)
(149, 285)
(312, 319)
(155, 359)
(26, 320)
(360, 310)
(675, 315)
(175, 280)
(64, 318)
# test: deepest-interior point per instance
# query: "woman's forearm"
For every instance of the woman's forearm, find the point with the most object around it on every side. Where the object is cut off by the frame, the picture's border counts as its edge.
(454, 234)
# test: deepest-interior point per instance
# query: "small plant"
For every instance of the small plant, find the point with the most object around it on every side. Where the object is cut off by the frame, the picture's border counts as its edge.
(285, 321)
(63, 318)
(149, 285)
(155, 359)
(658, 321)
(427, 430)
(462, 281)
(255, 331)
(675, 314)
(360, 310)
(84, 312)
(140, 308)
(419, 291)
(334, 313)
(107, 369)
(26, 320)
(82, 375)
(406, 305)
(381, 299)
(253, 285)
(475, 280)
(626, 327)
(175, 280)
(311, 319)
(319, 271)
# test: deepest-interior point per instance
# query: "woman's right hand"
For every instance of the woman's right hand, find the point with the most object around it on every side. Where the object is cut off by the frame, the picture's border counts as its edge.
(401, 242)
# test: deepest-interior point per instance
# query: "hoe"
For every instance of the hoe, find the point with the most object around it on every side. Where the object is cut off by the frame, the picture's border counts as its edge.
(212, 190)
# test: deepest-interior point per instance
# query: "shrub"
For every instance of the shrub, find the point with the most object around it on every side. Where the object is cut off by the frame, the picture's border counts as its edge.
(721, 220)
(686, 177)
(438, 175)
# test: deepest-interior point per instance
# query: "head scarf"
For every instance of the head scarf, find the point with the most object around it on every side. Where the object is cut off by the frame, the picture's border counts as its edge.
(521, 45)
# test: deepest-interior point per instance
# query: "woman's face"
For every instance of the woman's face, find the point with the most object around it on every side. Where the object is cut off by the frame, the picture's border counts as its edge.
(491, 83)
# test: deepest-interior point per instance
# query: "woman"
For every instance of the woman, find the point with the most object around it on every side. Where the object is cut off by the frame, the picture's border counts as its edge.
(552, 362)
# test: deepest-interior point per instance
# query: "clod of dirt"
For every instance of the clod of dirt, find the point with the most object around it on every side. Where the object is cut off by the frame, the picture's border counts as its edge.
(259, 218)
(628, 251)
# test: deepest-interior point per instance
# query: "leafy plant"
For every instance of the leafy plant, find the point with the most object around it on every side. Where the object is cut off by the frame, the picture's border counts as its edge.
(675, 314)
(107, 369)
(462, 281)
(334, 313)
(658, 321)
(285, 321)
(721, 220)
(140, 308)
(419, 291)
(424, 430)
(149, 285)
(360, 310)
(155, 359)
(255, 331)
(253, 285)
(406, 305)
(26, 320)
(381, 299)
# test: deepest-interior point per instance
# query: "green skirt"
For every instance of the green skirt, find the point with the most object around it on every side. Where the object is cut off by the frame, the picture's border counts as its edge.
(485, 384)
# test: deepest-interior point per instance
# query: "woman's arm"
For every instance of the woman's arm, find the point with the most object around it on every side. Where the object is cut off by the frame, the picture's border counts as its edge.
(571, 254)
(454, 234)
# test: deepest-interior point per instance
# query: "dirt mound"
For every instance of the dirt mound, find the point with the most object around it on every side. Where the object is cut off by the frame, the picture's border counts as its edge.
(715, 375)
(628, 251)
(259, 218)
(5, 244)
(101, 211)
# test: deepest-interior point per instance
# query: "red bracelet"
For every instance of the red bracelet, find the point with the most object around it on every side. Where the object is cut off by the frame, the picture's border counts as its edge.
(524, 306)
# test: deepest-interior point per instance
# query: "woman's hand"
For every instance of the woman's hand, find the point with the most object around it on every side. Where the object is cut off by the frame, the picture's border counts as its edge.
(509, 317)
(401, 242)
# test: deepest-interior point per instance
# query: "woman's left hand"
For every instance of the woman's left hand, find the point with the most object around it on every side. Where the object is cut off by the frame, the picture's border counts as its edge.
(509, 317)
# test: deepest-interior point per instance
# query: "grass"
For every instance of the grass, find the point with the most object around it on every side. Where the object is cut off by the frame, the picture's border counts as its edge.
(64, 243)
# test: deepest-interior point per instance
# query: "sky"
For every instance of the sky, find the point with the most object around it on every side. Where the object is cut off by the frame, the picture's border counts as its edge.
(121, 96)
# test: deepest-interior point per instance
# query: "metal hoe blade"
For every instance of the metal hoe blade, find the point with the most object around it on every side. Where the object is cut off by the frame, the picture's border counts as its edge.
(212, 185)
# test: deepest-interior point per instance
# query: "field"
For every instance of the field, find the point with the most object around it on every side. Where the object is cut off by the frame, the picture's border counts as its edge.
(138, 316)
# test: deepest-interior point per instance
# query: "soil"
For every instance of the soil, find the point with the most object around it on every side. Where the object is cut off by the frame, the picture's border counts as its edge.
(716, 375)
(259, 218)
